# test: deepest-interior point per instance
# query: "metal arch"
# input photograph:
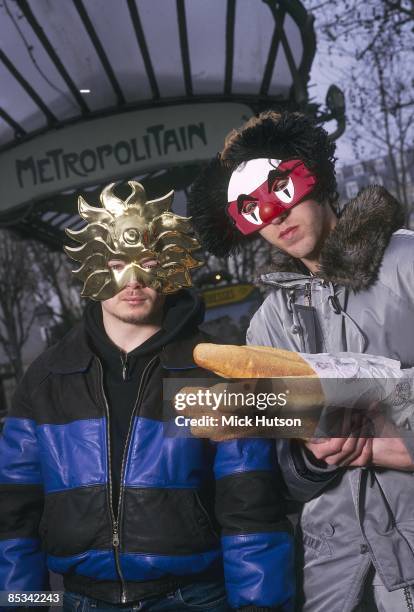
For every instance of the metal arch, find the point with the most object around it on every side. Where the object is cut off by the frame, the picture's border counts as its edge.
(28, 89)
(230, 21)
(304, 20)
(30, 222)
(31, 227)
(270, 63)
(142, 43)
(18, 130)
(99, 50)
(300, 75)
(298, 85)
(38, 30)
(257, 103)
(185, 54)
(53, 215)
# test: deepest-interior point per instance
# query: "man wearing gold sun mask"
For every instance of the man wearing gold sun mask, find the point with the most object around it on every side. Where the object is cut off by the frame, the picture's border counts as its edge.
(125, 512)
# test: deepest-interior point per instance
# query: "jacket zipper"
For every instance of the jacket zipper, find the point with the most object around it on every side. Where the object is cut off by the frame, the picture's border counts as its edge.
(124, 365)
(308, 293)
(116, 536)
(114, 522)
(408, 599)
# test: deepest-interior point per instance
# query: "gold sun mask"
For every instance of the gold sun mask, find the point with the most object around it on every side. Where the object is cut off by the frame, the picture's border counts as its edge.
(134, 231)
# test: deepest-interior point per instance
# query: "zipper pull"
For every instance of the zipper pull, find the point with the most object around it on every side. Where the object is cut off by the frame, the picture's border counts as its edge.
(115, 536)
(124, 366)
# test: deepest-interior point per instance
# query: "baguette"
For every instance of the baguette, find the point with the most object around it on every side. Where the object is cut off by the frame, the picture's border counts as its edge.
(230, 361)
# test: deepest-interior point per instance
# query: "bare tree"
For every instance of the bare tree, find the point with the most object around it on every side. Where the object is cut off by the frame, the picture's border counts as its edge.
(381, 119)
(369, 46)
(18, 284)
(364, 23)
(59, 287)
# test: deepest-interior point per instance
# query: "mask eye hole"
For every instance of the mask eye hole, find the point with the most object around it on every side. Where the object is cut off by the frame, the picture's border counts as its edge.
(284, 189)
(280, 184)
(249, 207)
(149, 263)
(116, 265)
(250, 211)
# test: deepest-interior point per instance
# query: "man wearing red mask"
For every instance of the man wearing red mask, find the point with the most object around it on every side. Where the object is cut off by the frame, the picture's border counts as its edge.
(339, 283)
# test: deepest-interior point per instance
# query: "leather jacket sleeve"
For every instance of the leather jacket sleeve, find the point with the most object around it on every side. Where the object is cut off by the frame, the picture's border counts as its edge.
(22, 563)
(256, 537)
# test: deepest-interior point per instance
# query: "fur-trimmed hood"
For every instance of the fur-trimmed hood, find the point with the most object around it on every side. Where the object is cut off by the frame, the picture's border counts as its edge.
(353, 251)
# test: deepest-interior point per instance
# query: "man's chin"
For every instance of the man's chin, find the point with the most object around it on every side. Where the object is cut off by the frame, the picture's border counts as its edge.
(299, 250)
(137, 315)
(134, 319)
(297, 253)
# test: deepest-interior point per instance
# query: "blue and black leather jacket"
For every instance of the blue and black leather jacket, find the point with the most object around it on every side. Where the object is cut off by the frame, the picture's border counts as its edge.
(188, 508)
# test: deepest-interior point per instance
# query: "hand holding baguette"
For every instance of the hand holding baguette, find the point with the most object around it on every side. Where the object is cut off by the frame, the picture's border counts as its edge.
(314, 383)
(283, 370)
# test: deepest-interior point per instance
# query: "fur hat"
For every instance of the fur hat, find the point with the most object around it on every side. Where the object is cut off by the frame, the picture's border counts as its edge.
(283, 136)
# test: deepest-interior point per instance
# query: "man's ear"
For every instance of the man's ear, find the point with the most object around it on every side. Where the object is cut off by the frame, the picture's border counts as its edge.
(333, 205)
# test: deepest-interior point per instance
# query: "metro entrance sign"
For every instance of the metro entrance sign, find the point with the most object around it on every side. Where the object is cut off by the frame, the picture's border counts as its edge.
(106, 149)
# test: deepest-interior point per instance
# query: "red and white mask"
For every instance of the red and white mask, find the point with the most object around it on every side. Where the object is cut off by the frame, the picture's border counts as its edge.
(261, 190)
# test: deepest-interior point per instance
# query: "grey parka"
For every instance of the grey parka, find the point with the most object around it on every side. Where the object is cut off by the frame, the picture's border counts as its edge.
(362, 301)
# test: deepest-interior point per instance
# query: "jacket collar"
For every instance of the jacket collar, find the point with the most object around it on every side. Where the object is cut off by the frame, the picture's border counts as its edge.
(73, 353)
(184, 312)
(353, 251)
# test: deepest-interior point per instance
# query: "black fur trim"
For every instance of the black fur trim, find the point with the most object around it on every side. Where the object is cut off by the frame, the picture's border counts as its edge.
(207, 207)
(353, 252)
